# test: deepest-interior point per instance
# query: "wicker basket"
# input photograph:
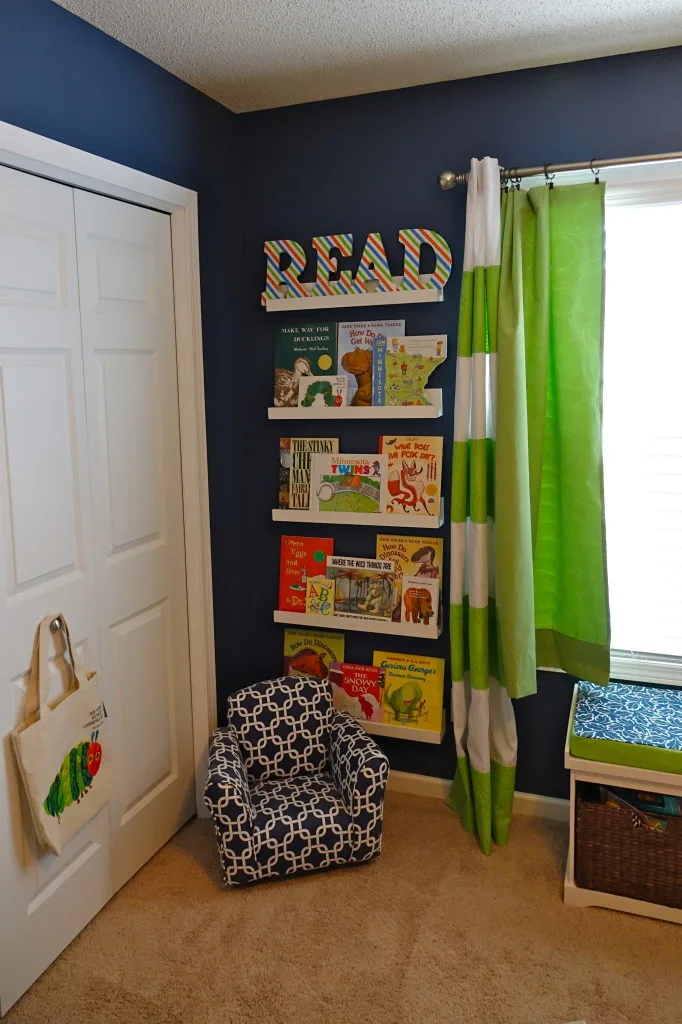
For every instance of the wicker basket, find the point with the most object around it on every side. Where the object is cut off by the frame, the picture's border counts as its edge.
(614, 855)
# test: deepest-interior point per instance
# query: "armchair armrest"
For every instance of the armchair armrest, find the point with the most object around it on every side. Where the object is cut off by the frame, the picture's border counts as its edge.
(360, 769)
(228, 799)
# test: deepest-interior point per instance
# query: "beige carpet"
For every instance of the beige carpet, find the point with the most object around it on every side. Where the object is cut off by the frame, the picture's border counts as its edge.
(430, 932)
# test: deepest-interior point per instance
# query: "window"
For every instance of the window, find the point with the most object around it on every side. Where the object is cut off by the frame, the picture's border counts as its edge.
(643, 432)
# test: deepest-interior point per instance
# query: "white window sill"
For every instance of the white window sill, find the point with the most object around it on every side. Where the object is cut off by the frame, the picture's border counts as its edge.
(640, 668)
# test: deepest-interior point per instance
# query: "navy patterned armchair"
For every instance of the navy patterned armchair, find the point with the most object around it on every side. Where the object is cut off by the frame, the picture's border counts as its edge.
(293, 785)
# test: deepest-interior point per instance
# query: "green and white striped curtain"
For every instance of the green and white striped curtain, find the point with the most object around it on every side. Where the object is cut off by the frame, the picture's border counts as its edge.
(483, 719)
(528, 567)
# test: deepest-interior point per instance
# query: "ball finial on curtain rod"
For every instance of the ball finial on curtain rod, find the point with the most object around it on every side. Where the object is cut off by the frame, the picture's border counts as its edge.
(447, 180)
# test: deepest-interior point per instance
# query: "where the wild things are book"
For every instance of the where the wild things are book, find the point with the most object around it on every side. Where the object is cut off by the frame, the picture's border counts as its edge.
(304, 350)
(295, 454)
(364, 586)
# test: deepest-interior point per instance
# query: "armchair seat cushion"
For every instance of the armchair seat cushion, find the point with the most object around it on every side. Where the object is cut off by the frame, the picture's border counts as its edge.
(300, 824)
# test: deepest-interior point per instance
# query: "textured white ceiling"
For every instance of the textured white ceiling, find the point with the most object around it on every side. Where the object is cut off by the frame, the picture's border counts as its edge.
(251, 54)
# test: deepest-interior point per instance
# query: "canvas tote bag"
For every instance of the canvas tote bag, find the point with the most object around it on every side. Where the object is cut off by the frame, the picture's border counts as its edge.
(62, 750)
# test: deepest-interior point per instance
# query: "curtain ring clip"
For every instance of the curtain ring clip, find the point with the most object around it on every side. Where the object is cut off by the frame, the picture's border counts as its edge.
(596, 173)
(549, 178)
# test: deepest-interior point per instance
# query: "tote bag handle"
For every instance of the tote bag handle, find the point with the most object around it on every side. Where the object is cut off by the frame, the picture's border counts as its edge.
(39, 679)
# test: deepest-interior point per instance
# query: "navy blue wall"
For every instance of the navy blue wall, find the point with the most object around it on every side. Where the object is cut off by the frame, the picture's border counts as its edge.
(370, 163)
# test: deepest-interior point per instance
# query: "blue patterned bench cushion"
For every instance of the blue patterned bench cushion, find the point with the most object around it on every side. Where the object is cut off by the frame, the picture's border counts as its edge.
(629, 724)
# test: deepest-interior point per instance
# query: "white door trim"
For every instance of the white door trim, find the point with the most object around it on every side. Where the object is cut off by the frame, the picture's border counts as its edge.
(38, 155)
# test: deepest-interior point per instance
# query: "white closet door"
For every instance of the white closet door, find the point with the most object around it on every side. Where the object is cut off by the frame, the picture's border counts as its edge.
(126, 282)
(46, 558)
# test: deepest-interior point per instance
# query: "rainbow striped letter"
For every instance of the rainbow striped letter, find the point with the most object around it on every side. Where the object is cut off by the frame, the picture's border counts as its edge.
(283, 284)
(328, 264)
(374, 267)
(413, 239)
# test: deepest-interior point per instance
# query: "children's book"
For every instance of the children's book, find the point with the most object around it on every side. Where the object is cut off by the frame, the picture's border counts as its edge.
(413, 689)
(379, 348)
(305, 350)
(322, 392)
(300, 557)
(420, 599)
(310, 652)
(355, 352)
(319, 596)
(420, 557)
(364, 586)
(348, 483)
(357, 690)
(415, 467)
(409, 364)
(294, 472)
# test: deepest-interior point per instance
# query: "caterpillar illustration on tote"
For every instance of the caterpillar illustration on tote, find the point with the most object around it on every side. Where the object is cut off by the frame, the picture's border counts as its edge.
(74, 778)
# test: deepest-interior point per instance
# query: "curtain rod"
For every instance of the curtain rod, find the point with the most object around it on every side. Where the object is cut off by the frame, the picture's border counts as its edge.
(448, 179)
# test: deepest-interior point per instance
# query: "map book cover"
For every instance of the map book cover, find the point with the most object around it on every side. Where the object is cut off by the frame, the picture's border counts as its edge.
(310, 652)
(413, 689)
(415, 468)
(357, 690)
(348, 483)
(294, 467)
(411, 556)
(319, 596)
(379, 348)
(322, 392)
(364, 586)
(355, 354)
(409, 364)
(300, 557)
(304, 350)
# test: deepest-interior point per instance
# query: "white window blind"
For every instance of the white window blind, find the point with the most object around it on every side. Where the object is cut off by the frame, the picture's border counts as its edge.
(643, 426)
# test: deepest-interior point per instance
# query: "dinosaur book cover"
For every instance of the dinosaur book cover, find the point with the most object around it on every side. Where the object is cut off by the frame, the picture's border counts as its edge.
(414, 557)
(356, 343)
(348, 483)
(413, 689)
(364, 586)
(304, 350)
(409, 364)
(310, 652)
(295, 454)
(357, 690)
(300, 557)
(415, 468)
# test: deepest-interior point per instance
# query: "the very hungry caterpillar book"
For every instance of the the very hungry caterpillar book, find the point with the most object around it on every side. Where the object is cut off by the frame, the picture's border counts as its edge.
(412, 556)
(356, 354)
(357, 690)
(409, 364)
(310, 652)
(294, 459)
(348, 483)
(413, 689)
(303, 350)
(300, 557)
(415, 466)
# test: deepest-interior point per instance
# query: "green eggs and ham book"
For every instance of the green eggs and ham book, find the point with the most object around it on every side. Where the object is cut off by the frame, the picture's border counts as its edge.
(304, 350)
(311, 652)
(300, 558)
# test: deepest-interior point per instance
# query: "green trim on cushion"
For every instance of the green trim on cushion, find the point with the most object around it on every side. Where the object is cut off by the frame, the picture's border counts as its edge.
(629, 755)
(577, 657)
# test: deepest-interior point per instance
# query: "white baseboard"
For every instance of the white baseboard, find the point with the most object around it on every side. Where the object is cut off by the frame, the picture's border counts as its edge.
(531, 804)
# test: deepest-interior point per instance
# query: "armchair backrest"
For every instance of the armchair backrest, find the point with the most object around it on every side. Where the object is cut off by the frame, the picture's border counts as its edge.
(282, 725)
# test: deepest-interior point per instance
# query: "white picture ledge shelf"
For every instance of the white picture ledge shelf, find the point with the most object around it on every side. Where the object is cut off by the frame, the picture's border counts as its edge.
(405, 732)
(356, 624)
(364, 412)
(397, 520)
(373, 298)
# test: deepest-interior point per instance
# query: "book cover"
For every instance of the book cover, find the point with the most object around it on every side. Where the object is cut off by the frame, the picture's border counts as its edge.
(420, 597)
(413, 689)
(319, 596)
(364, 586)
(415, 467)
(322, 392)
(409, 364)
(348, 483)
(420, 557)
(300, 557)
(310, 652)
(357, 690)
(355, 354)
(379, 349)
(304, 350)
(294, 459)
